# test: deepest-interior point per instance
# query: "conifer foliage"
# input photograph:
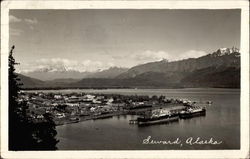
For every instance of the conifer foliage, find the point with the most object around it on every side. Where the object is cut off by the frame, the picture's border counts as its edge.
(24, 132)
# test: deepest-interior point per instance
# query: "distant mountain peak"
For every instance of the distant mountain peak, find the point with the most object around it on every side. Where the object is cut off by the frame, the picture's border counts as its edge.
(55, 68)
(116, 68)
(164, 60)
(223, 56)
(226, 51)
(218, 69)
(111, 72)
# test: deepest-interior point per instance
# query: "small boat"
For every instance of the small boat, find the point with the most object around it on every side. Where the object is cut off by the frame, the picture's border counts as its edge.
(74, 120)
(102, 116)
(209, 102)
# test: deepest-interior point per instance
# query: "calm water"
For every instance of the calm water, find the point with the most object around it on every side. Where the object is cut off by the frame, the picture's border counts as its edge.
(222, 123)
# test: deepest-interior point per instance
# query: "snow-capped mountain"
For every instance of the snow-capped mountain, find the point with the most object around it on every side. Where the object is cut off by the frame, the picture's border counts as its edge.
(62, 72)
(226, 51)
(218, 69)
(227, 57)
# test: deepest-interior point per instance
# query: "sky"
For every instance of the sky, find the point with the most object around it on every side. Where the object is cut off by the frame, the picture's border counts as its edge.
(95, 39)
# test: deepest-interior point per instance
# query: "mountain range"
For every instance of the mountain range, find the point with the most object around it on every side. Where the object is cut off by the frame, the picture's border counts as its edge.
(218, 69)
(51, 74)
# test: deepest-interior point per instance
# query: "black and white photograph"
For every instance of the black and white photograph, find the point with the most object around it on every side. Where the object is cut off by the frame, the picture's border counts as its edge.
(117, 79)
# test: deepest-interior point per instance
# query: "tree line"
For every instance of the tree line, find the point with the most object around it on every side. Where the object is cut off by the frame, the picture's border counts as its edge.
(24, 132)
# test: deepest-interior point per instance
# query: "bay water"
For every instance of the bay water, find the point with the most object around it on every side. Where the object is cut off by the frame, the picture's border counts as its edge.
(221, 124)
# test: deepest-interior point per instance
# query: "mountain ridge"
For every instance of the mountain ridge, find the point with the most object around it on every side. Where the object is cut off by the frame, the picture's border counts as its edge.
(218, 69)
(50, 74)
(185, 65)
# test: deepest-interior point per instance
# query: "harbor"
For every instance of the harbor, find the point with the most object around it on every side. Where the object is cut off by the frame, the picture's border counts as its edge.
(68, 108)
(166, 115)
(118, 134)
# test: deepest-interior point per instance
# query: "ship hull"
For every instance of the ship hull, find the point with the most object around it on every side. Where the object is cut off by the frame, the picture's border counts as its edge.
(192, 114)
(159, 121)
(103, 117)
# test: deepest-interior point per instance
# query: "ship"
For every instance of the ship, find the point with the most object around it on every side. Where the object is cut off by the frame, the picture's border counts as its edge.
(157, 116)
(192, 112)
(102, 115)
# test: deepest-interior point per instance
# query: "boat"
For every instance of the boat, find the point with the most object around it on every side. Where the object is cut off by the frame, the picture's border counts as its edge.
(157, 116)
(102, 116)
(74, 120)
(163, 119)
(209, 102)
(192, 112)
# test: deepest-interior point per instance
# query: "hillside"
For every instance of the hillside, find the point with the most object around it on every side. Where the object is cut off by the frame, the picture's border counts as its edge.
(47, 75)
(223, 77)
(28, 82)
(218, 69)
(56, 73)
(112, 72)
(218, 58)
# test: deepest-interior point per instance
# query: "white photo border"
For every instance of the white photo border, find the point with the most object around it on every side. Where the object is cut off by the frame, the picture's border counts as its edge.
(222, 4)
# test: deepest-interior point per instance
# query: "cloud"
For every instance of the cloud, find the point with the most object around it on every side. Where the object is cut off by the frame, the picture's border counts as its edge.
(115, 57)
(31, 27)
(14, 19)
(149, 55)
(191, 54)
(15, 32)
(27, 21)
(60, 64)
(152, 56)
(31, 21)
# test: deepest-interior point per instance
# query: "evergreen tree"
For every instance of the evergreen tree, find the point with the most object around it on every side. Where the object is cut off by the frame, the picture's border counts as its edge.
(45, 133)
(17, 111)
(24, 133)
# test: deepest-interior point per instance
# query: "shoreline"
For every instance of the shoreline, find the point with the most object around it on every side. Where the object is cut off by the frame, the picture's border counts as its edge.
(82, 119)
(110, 115)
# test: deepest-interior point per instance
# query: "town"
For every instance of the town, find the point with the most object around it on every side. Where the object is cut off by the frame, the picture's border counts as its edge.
(74, 107)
